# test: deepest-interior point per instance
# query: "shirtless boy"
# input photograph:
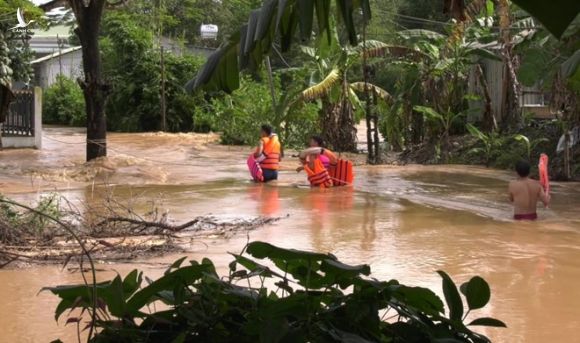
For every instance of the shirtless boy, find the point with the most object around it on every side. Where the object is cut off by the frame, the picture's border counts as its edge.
(525, 193)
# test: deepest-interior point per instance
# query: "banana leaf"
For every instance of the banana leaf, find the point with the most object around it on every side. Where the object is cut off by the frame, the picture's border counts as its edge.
(322, 88)
(394, 51)
(570, 66)
(306, 11)
(275, 19)
(345, 9)
(287, 24)
(555, 15)
(323, 17)
(378, 91)
(221, 71)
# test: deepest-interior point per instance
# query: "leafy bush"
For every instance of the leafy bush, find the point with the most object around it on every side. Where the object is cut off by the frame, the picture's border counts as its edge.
(64, 103)
(238, 116)
(491, 143)
(317, 299)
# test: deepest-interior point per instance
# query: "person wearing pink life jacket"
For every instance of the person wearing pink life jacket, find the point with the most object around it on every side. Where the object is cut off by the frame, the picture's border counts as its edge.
(525, 193)
(316, 160)
(324, 155)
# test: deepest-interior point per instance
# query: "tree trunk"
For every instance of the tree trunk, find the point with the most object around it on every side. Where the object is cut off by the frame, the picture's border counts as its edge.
(337, 125)
(416, 127)
(489, 121)
(346, 127)
(378, 154)
(510, 87)
(94, 89)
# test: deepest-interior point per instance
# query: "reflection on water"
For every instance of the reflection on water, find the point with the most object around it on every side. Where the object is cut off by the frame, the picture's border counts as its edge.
(407, 222)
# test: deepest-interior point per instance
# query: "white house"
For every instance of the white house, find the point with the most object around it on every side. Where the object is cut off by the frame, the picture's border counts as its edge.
(67, 62)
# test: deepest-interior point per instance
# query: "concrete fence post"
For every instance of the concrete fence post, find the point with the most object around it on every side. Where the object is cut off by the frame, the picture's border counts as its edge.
(37, 117)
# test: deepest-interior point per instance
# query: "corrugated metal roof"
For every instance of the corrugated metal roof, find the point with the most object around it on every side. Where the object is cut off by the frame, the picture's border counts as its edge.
(56, 54)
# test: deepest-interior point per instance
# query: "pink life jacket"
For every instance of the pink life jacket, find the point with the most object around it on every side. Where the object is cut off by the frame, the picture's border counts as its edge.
(325, 161)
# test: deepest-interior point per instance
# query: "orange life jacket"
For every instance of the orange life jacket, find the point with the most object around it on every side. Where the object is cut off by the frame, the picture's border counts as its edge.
(318, 176)
(342, 173)
(271, 152)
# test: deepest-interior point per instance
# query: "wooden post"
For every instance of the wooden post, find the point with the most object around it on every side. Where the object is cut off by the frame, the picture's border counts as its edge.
(370, 146)
(377, 142)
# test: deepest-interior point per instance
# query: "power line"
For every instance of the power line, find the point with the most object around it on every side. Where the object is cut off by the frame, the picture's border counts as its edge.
(425, 20)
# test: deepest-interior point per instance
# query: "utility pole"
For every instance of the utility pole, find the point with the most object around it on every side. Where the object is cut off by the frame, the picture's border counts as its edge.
(272, 93)
(60, 44)
(271, 82)
(162, 103)
(162, 65)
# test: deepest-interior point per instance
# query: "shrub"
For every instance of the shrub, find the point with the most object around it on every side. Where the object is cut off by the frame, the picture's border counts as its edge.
(317, 299)
(64, 103)
(238, 116)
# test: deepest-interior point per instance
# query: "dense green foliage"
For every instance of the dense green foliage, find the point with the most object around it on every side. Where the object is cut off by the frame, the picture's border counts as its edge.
(132, 64)
(64, 103)
(422, 98)
(316, 299)
(238, 116)
(15, 54)
(181, 19)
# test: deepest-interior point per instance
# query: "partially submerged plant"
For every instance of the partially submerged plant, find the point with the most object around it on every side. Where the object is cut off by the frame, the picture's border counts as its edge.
(491, 143)
(317, 299)
(530, 144)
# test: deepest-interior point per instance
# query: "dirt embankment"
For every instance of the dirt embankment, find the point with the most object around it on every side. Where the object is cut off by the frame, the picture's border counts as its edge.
(501, 151)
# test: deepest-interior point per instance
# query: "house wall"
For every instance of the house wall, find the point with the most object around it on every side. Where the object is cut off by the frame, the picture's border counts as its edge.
(531, 98)
(493, 72)
(46, 72)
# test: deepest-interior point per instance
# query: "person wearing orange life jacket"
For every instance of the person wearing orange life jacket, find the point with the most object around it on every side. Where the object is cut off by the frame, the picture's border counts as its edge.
(315, 161)
(268, 153)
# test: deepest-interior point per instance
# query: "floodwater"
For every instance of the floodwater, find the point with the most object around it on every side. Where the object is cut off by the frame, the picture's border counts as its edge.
(406, 222)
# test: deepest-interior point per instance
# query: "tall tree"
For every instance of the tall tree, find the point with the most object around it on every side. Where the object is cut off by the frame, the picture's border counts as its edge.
(88, 14)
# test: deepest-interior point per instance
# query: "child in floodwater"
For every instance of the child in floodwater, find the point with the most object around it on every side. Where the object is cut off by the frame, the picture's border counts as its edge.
(315, 150)
(316, 160)
(525, 193)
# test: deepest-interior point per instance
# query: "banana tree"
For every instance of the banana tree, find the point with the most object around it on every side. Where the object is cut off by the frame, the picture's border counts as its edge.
(330, 85)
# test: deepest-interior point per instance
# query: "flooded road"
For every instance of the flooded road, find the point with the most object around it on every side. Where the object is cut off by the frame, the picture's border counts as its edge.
(406, 222)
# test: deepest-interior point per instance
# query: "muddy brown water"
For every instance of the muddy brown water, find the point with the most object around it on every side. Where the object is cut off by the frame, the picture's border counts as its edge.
(406, 222)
